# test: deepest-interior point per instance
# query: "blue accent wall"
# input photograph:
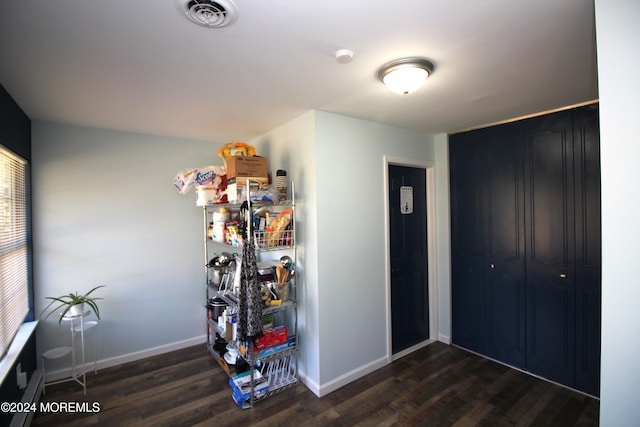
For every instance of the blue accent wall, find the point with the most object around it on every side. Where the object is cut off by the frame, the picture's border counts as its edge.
(15, 134)
(15, 126)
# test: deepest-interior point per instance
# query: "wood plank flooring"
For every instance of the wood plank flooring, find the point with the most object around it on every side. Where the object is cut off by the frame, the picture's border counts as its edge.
(438, 385)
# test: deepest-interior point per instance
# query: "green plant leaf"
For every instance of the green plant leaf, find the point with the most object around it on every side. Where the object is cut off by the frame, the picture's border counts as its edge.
(65, 302)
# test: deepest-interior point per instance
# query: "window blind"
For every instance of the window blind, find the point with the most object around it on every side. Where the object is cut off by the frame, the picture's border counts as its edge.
(14, 252)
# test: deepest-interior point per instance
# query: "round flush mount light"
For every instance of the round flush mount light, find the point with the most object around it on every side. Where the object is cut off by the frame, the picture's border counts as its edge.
(209, 13)
(406, 74)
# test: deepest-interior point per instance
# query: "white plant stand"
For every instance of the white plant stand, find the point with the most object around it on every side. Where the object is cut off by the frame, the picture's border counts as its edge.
(78, 326)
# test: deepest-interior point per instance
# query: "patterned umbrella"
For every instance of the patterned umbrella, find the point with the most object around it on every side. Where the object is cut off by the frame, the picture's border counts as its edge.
(249, 301)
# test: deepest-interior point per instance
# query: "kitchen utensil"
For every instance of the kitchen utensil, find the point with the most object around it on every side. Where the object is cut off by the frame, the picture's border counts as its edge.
(217, 306)
(231, 360)
(224, 258)
(287, 262)
(282, 274)
(220, 345)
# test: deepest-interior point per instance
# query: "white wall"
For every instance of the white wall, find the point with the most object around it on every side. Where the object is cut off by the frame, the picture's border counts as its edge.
(292, 147)
(337, 164)
(351, 241)
(443, 238)
(618, 43)
(105, 212)
(339, 174)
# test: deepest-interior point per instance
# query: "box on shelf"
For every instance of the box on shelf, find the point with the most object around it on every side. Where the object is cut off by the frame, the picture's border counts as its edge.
(290, 342)
(241, 387)
(244, 166)
(237, 187)
(257, 182)
(271, 338)
(273, 350)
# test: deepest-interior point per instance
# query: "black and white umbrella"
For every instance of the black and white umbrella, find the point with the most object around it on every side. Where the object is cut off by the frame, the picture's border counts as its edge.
(250, 300)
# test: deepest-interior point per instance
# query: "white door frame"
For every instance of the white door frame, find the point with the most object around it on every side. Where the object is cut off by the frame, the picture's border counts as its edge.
(431, 251)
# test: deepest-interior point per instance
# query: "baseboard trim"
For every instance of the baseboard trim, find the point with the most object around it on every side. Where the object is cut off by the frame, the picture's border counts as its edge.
(311, 385)
(444, 338)
(411, 349)
(324, 389)
(349, 377)
(130, 357)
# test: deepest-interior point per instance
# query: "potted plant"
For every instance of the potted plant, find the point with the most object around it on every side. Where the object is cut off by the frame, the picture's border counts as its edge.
(72, 304)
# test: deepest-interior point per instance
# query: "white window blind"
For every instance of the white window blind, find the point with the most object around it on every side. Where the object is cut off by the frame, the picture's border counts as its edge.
(14, 252)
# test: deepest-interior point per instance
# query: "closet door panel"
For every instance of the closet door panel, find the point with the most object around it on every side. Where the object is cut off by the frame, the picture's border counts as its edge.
(505, 319)
(549, 217)
(588, 249)
(468, 293)
(549, 200)
(550, 331)
(504, 216)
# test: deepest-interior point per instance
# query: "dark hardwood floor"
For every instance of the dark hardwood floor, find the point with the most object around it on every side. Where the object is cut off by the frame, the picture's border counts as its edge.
(438, 385)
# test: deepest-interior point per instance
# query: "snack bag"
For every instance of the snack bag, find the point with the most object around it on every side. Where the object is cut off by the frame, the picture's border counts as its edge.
(277, 226)
(235, 148)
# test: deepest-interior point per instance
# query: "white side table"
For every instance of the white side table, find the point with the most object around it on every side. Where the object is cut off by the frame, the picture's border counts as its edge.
(77, 326)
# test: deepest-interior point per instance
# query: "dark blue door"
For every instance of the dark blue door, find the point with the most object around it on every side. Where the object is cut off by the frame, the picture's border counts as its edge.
(467, 158)
(408, 252)
(586, 133)
(505, 244)
(488, 289)
(526, 245)
(549, 218)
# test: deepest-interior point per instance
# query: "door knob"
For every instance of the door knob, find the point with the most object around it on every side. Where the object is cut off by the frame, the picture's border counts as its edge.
(492, 266)
(563, 276)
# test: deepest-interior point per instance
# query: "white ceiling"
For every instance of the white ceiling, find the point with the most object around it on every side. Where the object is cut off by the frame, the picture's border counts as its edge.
(140, 66)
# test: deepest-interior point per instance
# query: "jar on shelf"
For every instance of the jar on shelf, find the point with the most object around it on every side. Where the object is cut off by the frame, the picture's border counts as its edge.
(281, 184)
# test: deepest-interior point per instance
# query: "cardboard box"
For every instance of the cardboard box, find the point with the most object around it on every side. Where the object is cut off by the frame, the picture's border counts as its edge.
(255, 182)
(273, 349)
(237, 187)
(244, 166)
(266, 342)
(291, 342)
(271, 337)
(241, 387)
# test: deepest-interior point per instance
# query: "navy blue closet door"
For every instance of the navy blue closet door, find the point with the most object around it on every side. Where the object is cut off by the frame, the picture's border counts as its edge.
(505, 239)
(526, 245)
(467, 158)
(488, 294)
(588, 249)
(549, 218)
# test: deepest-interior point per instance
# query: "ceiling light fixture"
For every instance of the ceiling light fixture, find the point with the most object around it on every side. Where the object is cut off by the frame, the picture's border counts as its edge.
(406, 74)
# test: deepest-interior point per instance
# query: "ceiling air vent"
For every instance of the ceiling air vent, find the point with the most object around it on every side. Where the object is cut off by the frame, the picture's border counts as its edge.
(209, 13)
